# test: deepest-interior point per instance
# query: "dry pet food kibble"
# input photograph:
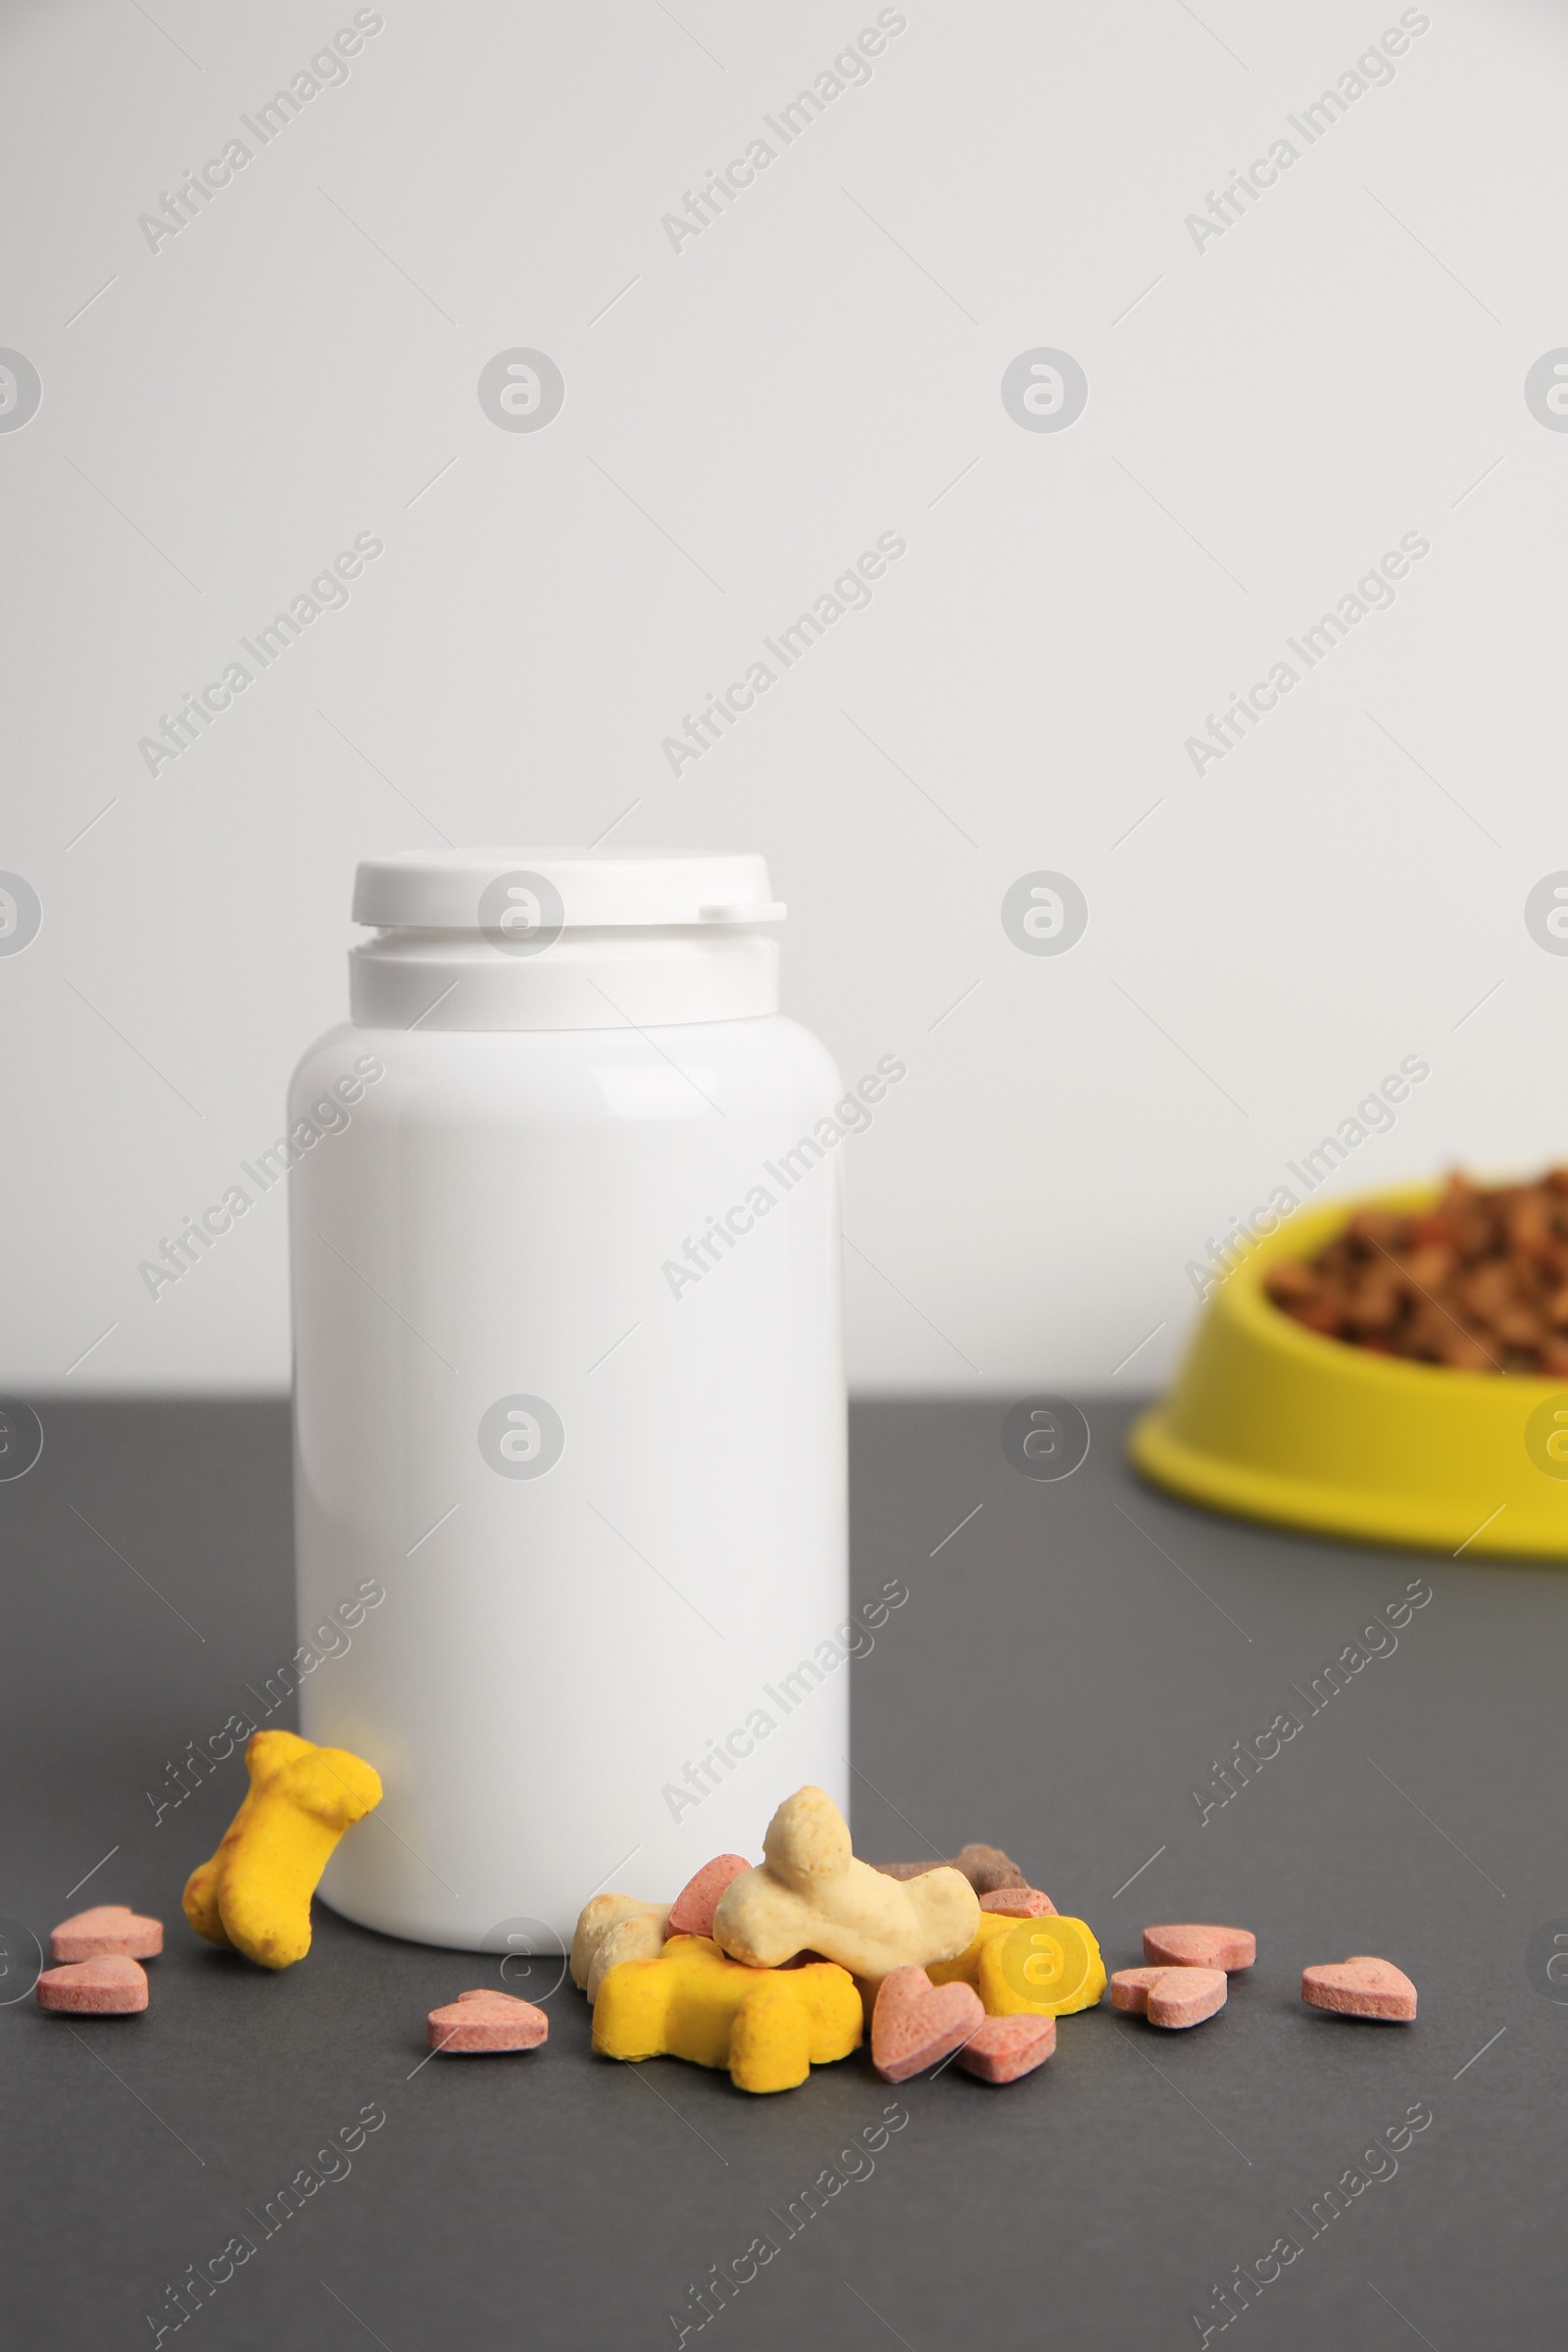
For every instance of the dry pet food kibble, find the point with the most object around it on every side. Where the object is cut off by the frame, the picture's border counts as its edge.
(1018, 1902)
(478, 2022)
(610, 1929)
(986, 1867)
(811, 1895)
(1003, 2048)
(1229, 1948)
(1360, 1987)
(692, 1911)
(255, 1893)
(769, 2025)
(915, 2023)
(1479, 1282)
(110, 1928)
(1170, 1996)
(109, 1986)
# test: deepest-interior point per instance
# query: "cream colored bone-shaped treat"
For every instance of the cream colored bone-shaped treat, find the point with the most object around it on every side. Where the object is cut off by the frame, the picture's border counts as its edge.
(812, 1895)
(612, 1928)
(593, 1919)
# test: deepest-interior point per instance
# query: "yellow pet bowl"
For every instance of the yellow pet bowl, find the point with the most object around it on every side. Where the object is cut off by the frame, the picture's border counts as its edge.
(1272, 1421)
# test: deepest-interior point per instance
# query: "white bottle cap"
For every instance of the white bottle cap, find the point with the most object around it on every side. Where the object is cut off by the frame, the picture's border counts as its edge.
(454, 890)
(559, 939)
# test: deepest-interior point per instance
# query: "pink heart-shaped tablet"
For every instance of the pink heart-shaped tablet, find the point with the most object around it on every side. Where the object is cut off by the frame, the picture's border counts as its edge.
(1018, 1902)
(1190, 1946)
(108, 1928)
(483, 2020)
(692, 1911)
(1185, 1997)
(1362, 1987)
(1169, 1997)
(109, 1986)
(917, 2023)
(1130, 1989)
(1005, 2048)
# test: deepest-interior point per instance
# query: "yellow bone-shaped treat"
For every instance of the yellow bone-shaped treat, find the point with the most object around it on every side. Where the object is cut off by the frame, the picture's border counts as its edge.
(812, 1895)
(768, 2026)
(255, 1893)
(1046, 1967)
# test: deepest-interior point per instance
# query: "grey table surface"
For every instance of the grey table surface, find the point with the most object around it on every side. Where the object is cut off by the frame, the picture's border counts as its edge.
(1069, 1665)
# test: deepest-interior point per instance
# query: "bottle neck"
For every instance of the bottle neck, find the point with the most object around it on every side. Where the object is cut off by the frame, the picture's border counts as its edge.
(584, 979)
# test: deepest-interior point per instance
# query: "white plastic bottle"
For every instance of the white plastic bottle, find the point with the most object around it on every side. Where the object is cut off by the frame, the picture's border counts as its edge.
(569, 1396)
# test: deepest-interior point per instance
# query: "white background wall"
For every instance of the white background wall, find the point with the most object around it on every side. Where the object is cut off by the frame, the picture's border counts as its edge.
(1344, 364)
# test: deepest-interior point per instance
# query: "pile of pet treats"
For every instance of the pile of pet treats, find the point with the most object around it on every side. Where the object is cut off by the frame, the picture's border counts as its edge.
(765, 1971)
